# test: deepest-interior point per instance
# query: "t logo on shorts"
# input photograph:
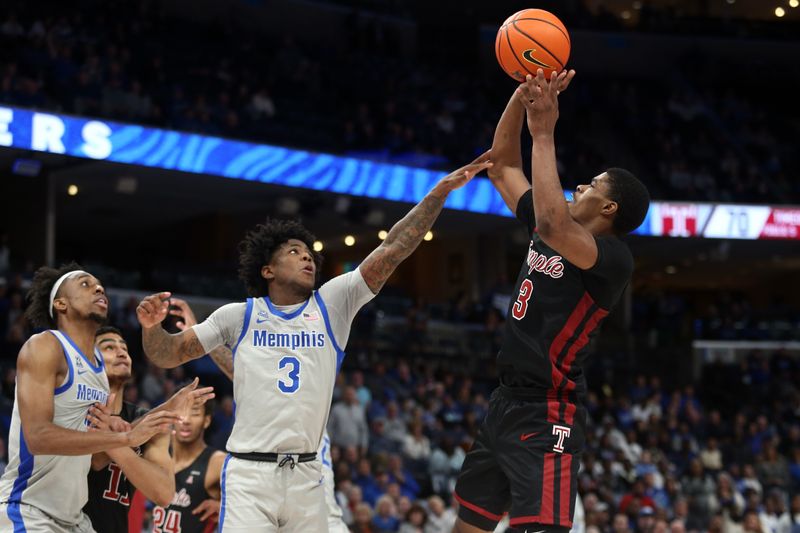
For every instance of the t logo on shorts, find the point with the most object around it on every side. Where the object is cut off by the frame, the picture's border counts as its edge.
(563, 433)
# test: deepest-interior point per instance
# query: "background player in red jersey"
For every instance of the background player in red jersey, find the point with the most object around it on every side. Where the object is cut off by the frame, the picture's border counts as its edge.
(526, 456)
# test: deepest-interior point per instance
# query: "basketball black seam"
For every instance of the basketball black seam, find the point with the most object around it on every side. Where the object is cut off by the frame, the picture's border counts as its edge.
(514, 53)
(551, 24)
(543, 47)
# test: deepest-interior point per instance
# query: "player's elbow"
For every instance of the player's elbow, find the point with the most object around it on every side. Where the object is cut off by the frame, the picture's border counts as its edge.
(35, 440)
(495, 172)
(164, 494)
(163, 499)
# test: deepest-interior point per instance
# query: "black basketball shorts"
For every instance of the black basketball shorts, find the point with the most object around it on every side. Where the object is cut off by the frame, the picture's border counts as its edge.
(524, 462)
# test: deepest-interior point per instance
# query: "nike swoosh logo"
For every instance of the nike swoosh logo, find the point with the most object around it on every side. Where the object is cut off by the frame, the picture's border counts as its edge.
(526, 436)
(82, 372)
(527, 55)
(260, 320)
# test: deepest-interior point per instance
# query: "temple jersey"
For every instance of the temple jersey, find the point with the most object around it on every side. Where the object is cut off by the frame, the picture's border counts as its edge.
(555, 311)
(190, 491)
(56, 484)
(285, 360)
(110, 492)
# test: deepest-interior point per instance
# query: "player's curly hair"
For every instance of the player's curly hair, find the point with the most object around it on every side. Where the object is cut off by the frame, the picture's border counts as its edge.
(38, 311)
(260, 243)
(632, 199)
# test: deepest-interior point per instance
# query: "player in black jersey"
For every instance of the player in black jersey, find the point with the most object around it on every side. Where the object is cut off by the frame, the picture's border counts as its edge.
(194, 508)
(526, 456)
(148, 467)
(115, 475)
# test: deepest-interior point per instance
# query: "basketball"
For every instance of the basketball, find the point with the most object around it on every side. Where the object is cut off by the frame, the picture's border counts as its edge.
(529, 40)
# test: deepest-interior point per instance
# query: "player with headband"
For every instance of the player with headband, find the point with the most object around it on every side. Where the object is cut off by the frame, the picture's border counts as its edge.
(60, 375)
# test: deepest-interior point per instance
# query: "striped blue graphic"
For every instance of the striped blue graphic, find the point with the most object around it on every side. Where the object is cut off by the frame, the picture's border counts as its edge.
(202, 154)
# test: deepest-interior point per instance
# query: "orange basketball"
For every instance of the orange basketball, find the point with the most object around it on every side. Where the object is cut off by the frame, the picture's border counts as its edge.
(529, 40)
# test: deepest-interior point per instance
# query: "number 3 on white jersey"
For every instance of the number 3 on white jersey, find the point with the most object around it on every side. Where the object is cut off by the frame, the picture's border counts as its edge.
(288, 387)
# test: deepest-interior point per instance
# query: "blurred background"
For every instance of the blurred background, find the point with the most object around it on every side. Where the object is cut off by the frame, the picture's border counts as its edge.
(143, 139)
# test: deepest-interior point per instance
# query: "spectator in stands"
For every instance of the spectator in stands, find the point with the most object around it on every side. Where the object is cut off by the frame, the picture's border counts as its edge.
(362, 519)
(385, 519)
(440, 518)
(416, 445)
(347, 423)
(444, 466)
(414, 521)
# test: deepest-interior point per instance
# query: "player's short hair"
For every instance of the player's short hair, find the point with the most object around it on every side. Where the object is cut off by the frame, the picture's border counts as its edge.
(103, 330)
(261, 242)
(632, 199)
(38, 311)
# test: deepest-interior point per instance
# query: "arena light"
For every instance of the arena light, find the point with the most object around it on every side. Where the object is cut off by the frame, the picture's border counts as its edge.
(72, 189)
(349, 240)
(794, 3)
(318, 246)
(779, 12)
(382, 234)
(428, 236)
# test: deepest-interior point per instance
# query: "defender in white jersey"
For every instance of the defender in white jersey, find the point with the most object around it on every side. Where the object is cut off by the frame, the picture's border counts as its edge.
(224, 359)
(59, 377)
(287, 342)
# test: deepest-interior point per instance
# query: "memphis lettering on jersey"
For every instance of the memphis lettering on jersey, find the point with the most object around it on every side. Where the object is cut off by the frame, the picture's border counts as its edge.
(293, 341)
(552, 266)
(90, 394)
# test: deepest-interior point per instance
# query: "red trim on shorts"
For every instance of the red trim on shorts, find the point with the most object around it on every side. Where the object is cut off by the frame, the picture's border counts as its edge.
(548, 489)
(566, 480)
(523, 520)
(476, 509)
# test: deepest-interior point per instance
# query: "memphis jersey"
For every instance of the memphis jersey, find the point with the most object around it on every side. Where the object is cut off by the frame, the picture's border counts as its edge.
(285, 360)
(324, 454)
(56, 484)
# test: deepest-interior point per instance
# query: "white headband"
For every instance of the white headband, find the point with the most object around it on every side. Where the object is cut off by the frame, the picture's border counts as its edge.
(55, 288)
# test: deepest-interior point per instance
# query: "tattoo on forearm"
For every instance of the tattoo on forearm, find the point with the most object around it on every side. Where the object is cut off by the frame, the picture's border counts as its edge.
(403, 239)
(223, 357)
(157, 345)
(167, 351)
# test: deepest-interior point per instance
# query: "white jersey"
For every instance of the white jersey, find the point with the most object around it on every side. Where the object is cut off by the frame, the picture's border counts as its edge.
(56, 484)
(324, 454)
(285, 360)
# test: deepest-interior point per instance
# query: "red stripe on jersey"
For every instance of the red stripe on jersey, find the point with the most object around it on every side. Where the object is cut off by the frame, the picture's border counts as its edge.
(568, 330)
(548, 489)
(583, 339)
(557, 376)
(564, 500)
(475, 508)
(553, 406)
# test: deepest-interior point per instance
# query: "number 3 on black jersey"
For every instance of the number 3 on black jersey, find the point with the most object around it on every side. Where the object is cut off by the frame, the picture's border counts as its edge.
(521, 305)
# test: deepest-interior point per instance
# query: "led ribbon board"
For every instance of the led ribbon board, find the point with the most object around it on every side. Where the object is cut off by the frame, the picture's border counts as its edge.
(202, 154)
(188, 152)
